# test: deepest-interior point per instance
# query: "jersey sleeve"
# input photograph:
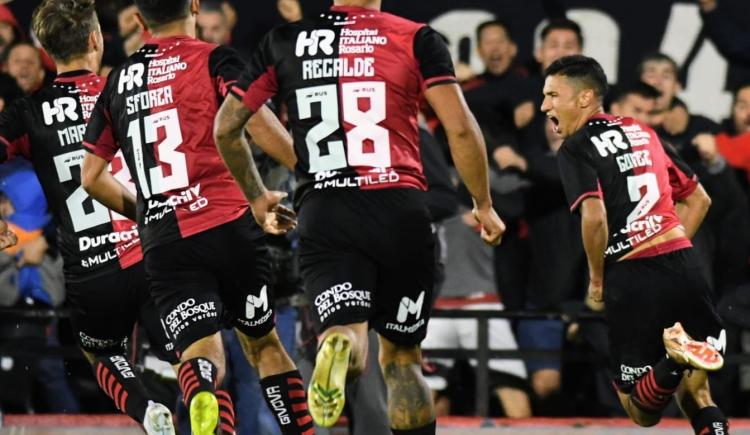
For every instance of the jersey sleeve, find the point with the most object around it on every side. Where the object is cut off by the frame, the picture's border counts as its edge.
(681, 177)
(578, 174)
(99, 138)
(259, 83)
(226, 68)
(14, 139)
(435, 62)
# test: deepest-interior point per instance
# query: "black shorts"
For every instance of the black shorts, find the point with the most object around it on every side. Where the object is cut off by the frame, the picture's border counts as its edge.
(105, 309)
(219, 277)
(367, 256)
(643, 296)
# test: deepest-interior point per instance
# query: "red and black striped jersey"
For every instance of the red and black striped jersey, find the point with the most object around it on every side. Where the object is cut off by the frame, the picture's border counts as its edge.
(47, 128)
(351, 80)
(624, 163)
(159, 109)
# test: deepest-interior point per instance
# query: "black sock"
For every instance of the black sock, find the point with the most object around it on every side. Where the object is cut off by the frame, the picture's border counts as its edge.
(195, 376)
(710, 421)
(117, 378)
(287, 400)
(429, 429)
(654, 390)
(226, 412)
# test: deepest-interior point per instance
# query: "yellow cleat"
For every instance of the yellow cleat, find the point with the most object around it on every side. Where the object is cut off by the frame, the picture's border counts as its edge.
(325, 395)
(204, 414)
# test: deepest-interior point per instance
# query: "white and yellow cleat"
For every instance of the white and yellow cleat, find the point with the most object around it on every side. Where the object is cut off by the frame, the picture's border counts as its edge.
(325, 395)
(158, 420)
(696, 354)
(204, 414)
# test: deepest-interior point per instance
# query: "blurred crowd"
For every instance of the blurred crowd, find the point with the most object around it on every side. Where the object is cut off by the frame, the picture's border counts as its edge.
(540, 265)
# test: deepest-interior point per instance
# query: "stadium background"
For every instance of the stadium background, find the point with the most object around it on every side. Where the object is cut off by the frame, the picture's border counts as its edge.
(616, 33)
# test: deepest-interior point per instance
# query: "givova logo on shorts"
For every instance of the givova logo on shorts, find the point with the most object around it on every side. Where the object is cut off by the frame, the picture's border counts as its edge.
(406, 308)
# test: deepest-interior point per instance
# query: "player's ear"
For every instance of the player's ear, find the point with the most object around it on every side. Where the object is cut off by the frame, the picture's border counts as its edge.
(586, 98)
(195, 6)
(141, 22)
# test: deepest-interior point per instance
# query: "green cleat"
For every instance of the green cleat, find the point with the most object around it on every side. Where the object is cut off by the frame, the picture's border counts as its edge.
(325, 395)
(204, 414)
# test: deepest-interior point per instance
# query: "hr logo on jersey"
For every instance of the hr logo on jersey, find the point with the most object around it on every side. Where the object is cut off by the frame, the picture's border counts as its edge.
(609, 142)
(319, 39)
(720, 344)
(130, 78)
(254, 302)
(59, 110)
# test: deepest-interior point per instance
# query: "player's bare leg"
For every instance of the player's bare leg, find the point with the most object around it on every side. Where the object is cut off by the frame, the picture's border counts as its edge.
(694, 398)
(202, 369)
(341, 357)
(410, 405)
(281, 382)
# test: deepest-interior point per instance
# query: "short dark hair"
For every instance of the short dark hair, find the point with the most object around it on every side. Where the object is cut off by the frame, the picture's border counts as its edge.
(494, 23)
(157, 13)
(212, 6)
(737, 90)
(658, 57)
(676, 102)
(637, 88)
(563, 24)
(63, 27)
(583, 69)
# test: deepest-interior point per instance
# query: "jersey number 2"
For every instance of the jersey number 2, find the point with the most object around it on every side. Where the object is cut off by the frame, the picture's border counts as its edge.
(365, 128)
(646, 200)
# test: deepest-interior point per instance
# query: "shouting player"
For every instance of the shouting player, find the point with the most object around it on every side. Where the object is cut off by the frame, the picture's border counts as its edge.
(625, 184)
(204, 255)
(352, 80)
(104, 277)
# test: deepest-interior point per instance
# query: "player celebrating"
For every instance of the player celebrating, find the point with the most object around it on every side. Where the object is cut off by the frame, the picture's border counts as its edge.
(352, 80)
(616, 172)
(203, 253)
(104, 277)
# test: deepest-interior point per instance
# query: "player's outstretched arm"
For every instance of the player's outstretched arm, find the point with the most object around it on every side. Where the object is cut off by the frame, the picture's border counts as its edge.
(271, 137)
(7, 237)
(469, 154)
(103, 187)
(595, 235)
(692, 210)
(234, 149)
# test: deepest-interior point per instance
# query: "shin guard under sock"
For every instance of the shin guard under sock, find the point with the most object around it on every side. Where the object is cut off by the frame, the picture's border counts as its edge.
(117, 378)
(710, 421)
(654, 390)
(226, 412)
(287, 400)
(429, 429)
(196, 375)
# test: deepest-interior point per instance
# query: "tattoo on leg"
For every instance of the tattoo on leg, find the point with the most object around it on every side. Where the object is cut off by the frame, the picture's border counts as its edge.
(409, 398)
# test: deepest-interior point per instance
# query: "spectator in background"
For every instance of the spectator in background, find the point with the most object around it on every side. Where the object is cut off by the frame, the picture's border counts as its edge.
(24, 63)
(734, 140)
(731, 36)
(10, 30)
(213, 23)
(661, 72)
(132, 34)
(31, 276)
(470, 285)
(9, 91)
(722, 241)
(290, 10)
(637, 101)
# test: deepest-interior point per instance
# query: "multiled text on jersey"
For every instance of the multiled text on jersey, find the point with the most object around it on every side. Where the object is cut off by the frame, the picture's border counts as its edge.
(149, 99)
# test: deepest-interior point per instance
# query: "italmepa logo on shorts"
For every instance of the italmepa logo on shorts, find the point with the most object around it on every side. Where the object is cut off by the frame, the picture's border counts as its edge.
(405, 308)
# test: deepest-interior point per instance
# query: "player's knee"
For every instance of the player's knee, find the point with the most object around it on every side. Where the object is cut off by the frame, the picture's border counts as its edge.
(399, 354)
(545, 382)
(267, 348)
